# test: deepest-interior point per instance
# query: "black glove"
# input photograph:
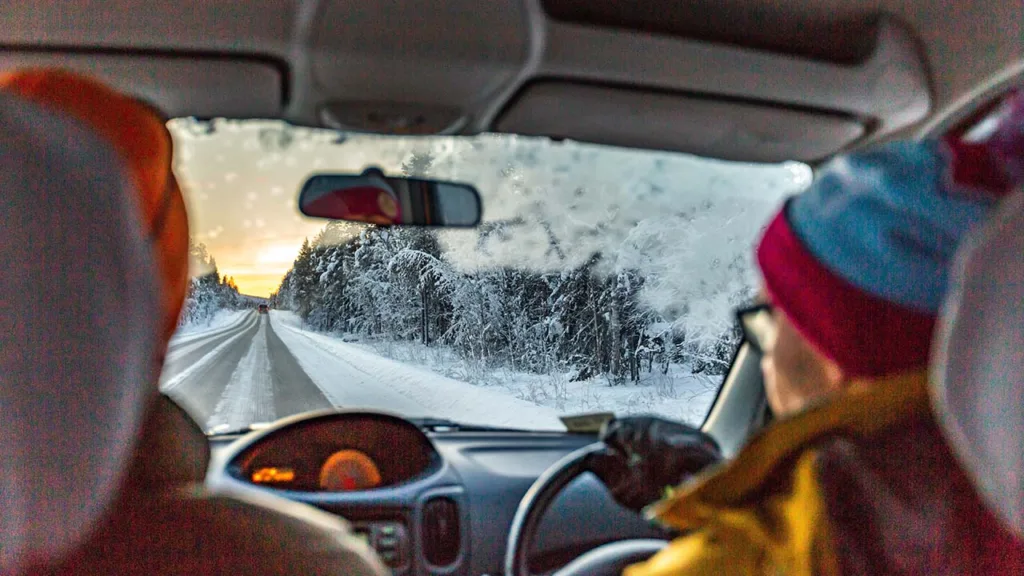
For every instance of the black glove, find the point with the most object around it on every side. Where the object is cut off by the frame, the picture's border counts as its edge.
(648, 454)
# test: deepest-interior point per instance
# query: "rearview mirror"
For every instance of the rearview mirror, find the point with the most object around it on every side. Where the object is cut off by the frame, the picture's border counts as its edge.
(374, 198)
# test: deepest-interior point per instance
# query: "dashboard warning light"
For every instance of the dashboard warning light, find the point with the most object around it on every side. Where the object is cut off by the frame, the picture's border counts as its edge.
(272, 475)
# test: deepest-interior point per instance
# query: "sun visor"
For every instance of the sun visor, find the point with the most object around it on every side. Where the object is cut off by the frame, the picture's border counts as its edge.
(206, 87)
(715, 128)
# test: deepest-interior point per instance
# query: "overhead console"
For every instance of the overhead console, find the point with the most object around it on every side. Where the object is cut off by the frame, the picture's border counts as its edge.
(778, 87)
(771, 87)
(413, 67)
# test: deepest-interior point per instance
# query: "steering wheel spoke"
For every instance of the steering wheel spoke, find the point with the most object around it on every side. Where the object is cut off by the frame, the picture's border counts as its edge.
(608, 559)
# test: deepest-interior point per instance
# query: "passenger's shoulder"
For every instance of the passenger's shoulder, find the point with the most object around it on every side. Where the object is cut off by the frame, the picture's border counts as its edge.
(897, 501)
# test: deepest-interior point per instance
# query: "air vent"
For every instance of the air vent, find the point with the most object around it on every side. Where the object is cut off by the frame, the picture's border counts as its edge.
(440, 531)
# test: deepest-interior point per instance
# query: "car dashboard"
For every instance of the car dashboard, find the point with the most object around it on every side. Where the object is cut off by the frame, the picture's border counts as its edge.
(429, 501)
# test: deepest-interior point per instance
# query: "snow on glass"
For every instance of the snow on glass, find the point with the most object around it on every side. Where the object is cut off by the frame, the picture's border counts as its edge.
(600, 278)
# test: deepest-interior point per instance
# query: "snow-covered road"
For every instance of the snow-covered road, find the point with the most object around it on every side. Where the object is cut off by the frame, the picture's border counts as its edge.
(258, 368)
(238, 375)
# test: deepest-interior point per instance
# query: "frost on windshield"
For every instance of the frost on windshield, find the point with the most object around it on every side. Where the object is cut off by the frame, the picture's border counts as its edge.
(601, 279)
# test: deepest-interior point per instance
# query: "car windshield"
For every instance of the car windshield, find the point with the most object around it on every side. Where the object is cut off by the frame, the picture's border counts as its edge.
(600, 280)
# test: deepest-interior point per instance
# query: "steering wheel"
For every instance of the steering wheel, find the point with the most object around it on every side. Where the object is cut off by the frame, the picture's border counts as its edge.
(607, 560)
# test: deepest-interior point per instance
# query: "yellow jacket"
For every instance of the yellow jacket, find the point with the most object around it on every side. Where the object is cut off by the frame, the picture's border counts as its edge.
(861, 484)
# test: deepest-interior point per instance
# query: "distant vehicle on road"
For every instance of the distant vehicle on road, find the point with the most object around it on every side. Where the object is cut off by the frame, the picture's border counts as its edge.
(264, 308)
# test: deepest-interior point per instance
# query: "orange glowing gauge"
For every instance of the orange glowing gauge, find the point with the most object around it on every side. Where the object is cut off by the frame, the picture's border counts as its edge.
(273, 475)
(347, 470)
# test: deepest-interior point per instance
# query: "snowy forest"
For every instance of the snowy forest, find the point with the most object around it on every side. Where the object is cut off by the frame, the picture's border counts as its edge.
(587, 320)
(395, 284)
(209, 292)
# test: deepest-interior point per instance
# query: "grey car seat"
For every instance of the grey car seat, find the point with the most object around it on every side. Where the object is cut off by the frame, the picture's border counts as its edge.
(101, 475)
(978, 370)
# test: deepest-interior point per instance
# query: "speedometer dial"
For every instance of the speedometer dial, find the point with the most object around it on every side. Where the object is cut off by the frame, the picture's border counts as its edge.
(347, 470)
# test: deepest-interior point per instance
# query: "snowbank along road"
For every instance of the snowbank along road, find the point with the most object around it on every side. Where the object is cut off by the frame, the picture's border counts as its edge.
(262, 367)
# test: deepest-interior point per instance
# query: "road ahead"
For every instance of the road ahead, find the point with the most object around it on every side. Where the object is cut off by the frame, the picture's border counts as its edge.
(238, 375)
(262, 367)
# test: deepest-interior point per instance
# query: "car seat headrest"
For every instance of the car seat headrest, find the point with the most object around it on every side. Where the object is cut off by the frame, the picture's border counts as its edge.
(79, 319)
(139, 134)
(978, 368)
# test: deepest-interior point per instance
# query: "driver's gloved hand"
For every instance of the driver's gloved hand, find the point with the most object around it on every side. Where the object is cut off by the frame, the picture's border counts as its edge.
(647, 455)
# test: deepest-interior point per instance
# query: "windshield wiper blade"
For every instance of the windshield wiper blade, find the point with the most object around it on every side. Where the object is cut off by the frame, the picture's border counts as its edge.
(445, 425)
(431, 424)
(224, 430)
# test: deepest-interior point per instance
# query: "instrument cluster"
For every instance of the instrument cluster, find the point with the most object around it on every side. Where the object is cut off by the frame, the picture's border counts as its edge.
(339, 452)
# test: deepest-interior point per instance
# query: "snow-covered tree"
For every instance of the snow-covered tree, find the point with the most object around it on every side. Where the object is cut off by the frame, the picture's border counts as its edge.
(208, 293)
(584, 265)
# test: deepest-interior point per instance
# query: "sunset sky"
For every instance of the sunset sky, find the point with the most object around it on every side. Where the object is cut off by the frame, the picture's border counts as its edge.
(241, 184)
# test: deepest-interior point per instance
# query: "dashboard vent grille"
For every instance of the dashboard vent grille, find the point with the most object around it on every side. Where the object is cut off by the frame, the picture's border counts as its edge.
(440, 531)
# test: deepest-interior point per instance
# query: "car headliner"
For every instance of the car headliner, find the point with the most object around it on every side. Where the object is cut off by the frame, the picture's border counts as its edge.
(755, 80)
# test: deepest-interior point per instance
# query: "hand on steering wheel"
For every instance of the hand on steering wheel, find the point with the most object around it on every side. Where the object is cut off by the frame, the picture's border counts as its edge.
(646, 455)
(650, 452)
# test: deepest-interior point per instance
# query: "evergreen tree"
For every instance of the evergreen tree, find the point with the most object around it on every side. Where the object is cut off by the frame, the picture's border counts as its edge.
(208, 292)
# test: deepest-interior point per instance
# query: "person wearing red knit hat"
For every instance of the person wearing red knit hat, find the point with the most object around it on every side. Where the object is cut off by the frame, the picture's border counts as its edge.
(854, 476)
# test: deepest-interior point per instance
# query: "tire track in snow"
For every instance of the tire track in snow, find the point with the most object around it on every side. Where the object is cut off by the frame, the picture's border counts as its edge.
(354, 378)
(179, 340)
(176, 352)
(198, 379)
(248, 396)
(204, 363)
(353, 386)
(294, 391)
